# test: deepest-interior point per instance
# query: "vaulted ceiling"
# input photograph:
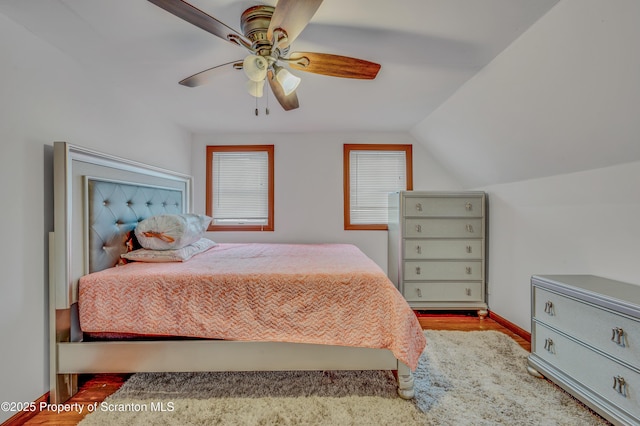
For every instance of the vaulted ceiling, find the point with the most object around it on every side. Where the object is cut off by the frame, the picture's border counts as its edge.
(427, 50)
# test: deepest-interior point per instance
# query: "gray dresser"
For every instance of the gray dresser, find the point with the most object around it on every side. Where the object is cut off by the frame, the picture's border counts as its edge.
(585, 336)
(437, 249)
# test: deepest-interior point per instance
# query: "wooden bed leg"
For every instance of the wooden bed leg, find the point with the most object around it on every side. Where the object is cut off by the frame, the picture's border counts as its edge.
(405, 382)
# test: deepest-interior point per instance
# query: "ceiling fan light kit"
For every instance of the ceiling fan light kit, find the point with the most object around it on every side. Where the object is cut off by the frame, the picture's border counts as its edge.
(255, 88)
(267, 33)
(255, 67)
(288, 81)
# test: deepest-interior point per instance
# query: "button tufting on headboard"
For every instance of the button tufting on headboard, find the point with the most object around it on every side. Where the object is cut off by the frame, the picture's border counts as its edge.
(114, 211)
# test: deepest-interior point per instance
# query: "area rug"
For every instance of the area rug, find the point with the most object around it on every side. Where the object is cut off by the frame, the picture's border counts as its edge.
(463, 378)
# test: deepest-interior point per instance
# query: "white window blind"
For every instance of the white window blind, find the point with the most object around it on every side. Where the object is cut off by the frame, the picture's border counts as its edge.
(240, 188)
(372, 175)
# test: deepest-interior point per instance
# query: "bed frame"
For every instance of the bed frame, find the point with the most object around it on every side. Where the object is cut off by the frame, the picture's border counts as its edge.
(98, 199)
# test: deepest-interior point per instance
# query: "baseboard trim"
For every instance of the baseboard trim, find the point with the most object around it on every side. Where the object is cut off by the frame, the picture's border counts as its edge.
(510, 326)
(24, 416)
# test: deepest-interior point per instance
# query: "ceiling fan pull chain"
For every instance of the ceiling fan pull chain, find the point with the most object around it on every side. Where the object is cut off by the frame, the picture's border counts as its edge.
(266, 110)
(256, 103)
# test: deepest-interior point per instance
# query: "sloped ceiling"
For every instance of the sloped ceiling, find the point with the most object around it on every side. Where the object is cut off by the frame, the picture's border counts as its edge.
(427, 48)
(564, 97)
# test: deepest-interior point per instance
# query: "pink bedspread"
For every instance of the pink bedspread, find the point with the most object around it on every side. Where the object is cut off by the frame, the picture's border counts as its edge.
(313, 293)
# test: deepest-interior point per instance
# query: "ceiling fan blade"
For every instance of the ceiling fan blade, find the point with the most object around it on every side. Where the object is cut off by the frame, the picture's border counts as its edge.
(333, 65)
(204, 77)
(292, 16)
(200, 19)
(288, 102)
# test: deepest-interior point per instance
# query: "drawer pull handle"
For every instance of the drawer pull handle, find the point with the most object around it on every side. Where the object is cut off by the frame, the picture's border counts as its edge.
(469, 249)
(548, 345)
(620, 385)
(419, 207)
(469, 227)
(617, 336)
(418, 228)
(418, 270)
(419, 292)
(468, 270)
(548, 308)
(468, 291)
(468, 206)
(418, 249)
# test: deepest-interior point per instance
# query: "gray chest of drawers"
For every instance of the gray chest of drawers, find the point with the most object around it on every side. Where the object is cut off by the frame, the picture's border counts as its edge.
(585, 336)
(437, 249)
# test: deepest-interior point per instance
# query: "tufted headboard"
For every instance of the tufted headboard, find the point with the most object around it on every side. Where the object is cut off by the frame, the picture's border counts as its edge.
(113, 211)
(98, 200)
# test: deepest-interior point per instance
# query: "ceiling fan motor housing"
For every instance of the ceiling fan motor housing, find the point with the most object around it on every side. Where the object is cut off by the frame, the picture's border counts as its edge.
(254, 23)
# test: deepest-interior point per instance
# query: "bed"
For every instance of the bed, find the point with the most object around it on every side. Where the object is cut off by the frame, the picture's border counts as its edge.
(234, 307)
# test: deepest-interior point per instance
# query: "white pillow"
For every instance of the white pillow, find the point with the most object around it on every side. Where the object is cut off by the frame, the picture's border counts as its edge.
(177, 255)
(171, 231)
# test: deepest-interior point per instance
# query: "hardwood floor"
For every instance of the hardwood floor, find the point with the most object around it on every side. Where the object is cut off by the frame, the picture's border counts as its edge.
(463, 322)
(96, 388)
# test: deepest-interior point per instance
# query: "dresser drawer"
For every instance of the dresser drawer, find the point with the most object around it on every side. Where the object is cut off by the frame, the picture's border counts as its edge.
(444, 228)
(443, 292)
(442, 270)
(443, 249)
(588, 367)
(610, 332)
(443, 206)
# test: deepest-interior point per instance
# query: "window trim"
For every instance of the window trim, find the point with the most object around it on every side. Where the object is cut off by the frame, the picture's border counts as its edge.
(347, 148)
(211, 149)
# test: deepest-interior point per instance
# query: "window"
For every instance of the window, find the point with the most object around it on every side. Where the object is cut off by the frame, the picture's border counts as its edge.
(370, 173)
(240, 187)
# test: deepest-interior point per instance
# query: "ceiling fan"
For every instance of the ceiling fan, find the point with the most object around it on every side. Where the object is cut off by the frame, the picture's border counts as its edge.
(267, 33)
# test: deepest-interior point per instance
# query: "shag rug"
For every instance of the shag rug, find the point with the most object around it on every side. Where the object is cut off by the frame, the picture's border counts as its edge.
(463, 378)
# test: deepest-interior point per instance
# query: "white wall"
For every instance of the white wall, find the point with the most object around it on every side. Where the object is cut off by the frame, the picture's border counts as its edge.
(308, 186)
(561, 101)
(579, 223)
(47, 97)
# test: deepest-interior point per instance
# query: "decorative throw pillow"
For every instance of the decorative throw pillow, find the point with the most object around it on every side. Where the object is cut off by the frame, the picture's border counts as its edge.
(177, 255)
(171, 231)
